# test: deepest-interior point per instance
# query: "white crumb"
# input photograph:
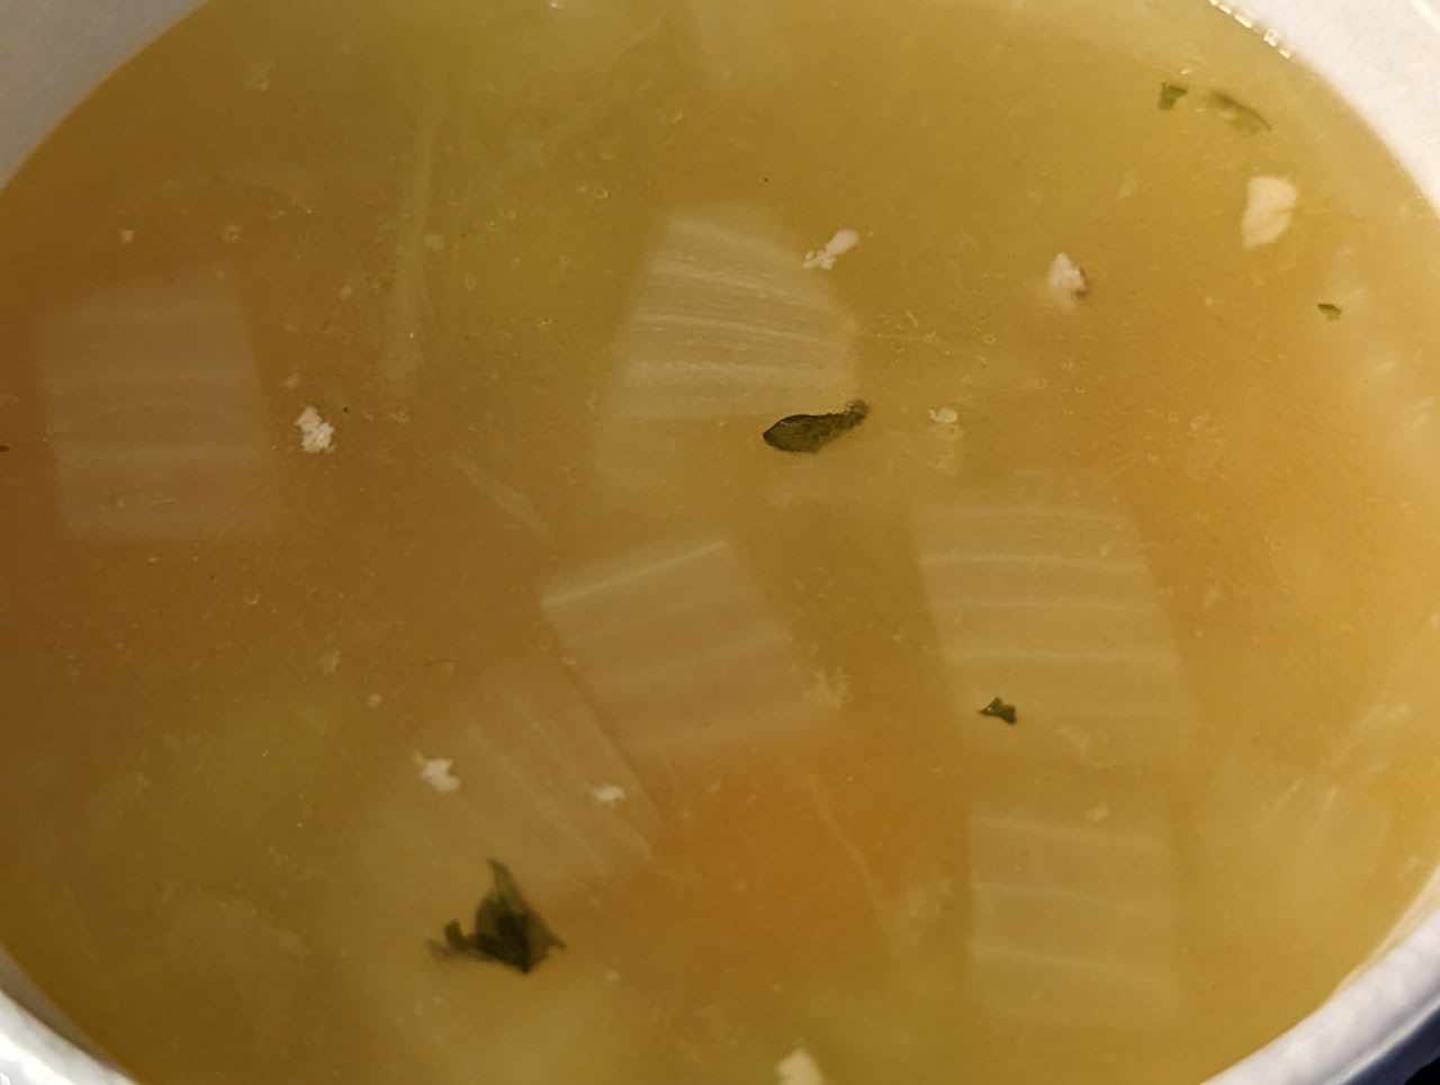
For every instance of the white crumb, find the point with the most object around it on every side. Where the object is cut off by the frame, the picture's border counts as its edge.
(435, 771)
(316, 434)
(1066, 281)
(375, 700)
(1098, 813)
(257, 78)
(127, 236)
(608, 794)
(434, 242)
(1269, 207)
(944, 416)
(231, 233)
(798, 1068)
(824, 258)
(330, 661)
(291, 382)
(829, 690)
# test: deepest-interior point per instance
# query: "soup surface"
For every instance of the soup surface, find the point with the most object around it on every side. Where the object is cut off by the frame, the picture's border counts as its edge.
(382, 391)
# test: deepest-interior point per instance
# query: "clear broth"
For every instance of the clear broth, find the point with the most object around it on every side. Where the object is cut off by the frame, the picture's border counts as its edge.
(542, 268)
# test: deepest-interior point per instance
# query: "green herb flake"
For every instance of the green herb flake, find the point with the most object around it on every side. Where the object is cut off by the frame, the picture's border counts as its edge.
(1331, 310)
(507, 929)
(1237, 114)
(812, 432)
(1001, 711)
(1170, 93)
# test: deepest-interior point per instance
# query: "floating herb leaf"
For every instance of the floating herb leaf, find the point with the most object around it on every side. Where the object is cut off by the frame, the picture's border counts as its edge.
(507, 929)
(812, 432)
(1237, 113)
(1331, 310)
(1001, 711)
(1170, 93)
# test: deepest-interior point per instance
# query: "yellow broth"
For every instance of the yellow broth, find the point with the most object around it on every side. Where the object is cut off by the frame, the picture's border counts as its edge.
(382, 395)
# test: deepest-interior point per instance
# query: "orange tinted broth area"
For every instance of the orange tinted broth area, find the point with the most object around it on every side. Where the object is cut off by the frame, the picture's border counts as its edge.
(542, 269)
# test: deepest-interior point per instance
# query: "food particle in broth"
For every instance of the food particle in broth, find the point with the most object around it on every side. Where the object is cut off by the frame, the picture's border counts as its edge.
(1170, 94)
(812, 432)
(1001, 711)
(316, 434)
(383, 419)
(1269, 209)
(799, 1068)
(839, 244)
(608, 794)
(944, 416)
(438, 773)
(1237, 113)
(507, 929)
(1067, 281)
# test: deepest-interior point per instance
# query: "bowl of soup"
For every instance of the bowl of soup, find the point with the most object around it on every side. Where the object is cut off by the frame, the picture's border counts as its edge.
(658, 540)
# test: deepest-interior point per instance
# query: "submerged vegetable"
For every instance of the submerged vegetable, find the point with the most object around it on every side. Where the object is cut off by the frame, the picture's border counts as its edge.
(1001, 711)
(1240, 115)
(1331, 310)
(812, 432)
(507, 929)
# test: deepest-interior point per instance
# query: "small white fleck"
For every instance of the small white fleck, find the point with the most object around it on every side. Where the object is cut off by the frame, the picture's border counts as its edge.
(127, 236)
(829, 690)
(944, 416)
(291, 382)
(230, 233)
(1078, 740)
(1066, 281)
(824, 258)
(608, 794)
(375, 700)
(1098, 813)
(346, 292)
(435, 242)
(1269, 207)
(1421, 414)
(612, 976)
(316, 434)
(1129, 186)
(435, 771)
(257, 78)
(330, 661)
(799, 1068)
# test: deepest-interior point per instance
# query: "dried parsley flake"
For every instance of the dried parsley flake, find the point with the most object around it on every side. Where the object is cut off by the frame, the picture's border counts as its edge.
(812, 432)
(1001, 711)
(507, 929)
(1170, 93)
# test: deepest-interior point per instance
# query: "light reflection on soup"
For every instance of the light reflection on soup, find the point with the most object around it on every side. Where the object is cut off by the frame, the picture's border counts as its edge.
(382, 401)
